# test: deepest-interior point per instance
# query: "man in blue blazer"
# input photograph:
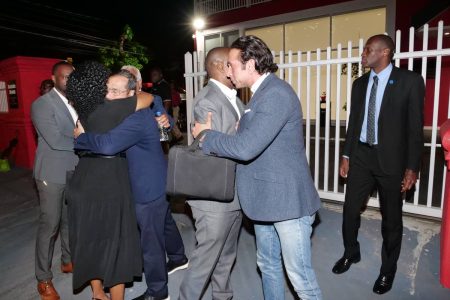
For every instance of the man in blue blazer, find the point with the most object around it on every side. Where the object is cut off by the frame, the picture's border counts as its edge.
(273, 181)
(138, 135)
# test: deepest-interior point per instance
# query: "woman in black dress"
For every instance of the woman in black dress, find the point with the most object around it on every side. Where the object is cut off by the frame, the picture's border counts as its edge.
(103, 234)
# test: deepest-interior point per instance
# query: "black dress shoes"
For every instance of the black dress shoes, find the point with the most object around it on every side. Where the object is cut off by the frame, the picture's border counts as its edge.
(383, 284)
(146, 296)
(344, 264)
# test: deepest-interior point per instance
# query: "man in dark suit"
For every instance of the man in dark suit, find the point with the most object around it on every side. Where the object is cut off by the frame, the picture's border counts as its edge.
(174, 246)
(138, 135)
(217, 224)
(54, 119)
(274, 182)
(383, 150)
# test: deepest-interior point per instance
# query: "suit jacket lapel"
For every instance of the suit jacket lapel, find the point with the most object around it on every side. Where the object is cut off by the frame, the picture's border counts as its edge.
(263, 85)
(362, 96)
(59, 104)
(225, 100)
(388, 91)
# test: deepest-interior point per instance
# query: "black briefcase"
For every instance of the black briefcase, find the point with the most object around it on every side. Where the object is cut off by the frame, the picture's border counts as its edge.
(195, 175)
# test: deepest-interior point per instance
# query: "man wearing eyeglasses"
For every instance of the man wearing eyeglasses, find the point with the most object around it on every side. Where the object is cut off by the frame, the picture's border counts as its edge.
(138, 135)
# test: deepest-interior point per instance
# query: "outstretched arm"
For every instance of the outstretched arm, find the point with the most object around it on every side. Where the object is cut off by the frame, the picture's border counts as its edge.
(267, 120)
(125, 135)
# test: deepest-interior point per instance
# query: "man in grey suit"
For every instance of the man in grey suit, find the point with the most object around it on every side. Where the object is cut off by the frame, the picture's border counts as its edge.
(274, 183)
(217, 224)
(54, 119)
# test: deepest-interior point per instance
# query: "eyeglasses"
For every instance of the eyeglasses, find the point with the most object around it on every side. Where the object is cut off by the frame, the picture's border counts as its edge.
(116, 91)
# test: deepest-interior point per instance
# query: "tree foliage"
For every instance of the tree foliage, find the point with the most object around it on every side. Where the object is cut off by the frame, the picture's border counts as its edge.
(124, 52)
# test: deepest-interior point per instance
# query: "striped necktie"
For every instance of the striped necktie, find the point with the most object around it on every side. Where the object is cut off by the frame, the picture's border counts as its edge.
(370, 135)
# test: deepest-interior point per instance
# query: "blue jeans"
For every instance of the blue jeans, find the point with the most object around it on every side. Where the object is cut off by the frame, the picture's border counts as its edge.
(290, 239)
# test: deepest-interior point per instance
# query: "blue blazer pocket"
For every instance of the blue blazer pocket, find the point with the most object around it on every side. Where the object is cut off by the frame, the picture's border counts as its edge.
(269, 188)
(266, 176)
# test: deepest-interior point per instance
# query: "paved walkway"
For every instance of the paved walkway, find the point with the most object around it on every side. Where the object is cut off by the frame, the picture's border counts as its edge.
(417, 276)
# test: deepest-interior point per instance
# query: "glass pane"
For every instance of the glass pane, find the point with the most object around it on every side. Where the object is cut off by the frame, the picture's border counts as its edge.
(212, 41)
(229, 37)
(271, 35)
(357, 25)
(308, 35)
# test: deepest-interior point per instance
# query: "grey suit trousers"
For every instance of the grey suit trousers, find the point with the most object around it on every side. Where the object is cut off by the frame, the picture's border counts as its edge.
(213, 258)
(52, 219)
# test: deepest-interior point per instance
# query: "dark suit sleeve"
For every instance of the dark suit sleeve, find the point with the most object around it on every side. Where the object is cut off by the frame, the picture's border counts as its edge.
(415, 123)
(43, 117)
(268, 120)
(158, 106)
(352, 122)
(127, 134)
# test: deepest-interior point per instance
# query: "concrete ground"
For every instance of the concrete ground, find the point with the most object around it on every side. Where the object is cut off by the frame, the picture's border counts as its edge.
(417, 276)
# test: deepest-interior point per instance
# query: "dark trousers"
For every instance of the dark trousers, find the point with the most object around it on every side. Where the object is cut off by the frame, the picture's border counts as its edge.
(155, 221)
(52, 220)
(364, 175)
(174, 243)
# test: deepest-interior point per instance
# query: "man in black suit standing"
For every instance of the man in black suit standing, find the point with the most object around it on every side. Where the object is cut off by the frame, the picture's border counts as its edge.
(383, 150)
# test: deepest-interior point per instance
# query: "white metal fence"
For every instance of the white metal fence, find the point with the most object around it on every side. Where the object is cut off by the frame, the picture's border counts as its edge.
(310, 73)
(209, 7)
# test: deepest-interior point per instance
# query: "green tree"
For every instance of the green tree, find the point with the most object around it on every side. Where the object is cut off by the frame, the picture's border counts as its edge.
(124, 52)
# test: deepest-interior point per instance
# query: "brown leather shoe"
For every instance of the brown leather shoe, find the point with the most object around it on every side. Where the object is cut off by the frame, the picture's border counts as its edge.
(47, 290)
(66, 268)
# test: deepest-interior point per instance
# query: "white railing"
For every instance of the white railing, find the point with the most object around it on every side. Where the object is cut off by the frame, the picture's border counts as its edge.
(209, 7)
(309, 76)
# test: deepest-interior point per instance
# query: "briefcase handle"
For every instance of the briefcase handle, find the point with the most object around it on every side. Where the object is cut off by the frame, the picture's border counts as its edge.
(196, 144)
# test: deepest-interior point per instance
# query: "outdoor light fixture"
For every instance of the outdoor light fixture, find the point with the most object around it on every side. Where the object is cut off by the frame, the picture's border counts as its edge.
(199, 24)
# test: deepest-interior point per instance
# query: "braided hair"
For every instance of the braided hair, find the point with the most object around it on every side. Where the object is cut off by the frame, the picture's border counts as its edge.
(86, 87)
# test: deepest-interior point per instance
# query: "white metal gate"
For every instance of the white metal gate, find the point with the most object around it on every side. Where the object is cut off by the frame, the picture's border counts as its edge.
(323, 143)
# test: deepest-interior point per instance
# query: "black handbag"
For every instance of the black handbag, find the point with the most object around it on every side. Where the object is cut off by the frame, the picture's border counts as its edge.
(195, 175)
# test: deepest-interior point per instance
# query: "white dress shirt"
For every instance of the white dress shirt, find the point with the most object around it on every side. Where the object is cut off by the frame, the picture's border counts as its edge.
(383, 78)
(229, 93)
(72, 111)
(258, 82)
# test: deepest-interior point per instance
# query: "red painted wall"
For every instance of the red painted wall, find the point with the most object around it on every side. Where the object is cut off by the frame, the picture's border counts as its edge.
(28, 72)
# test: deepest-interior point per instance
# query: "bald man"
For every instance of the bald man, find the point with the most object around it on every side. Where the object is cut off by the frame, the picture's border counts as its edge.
(382, 150)
(217, 224)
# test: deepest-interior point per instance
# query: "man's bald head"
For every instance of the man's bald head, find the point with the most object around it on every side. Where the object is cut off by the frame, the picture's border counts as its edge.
(216, 65)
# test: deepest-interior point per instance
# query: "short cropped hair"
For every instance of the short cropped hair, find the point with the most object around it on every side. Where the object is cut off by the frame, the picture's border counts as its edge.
(127, 74)
(47, 82)
(253, 47)
(86, 87)
(387, 41)
(59, 64)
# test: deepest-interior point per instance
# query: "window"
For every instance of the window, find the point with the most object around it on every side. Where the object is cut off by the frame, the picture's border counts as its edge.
(353, 26)
(3, 98)
(307, 35)
(271, 35)
(223, 39)
(212, 41)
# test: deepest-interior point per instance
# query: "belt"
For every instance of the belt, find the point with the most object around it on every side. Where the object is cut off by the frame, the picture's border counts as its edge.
(373, 146)
(95, 155)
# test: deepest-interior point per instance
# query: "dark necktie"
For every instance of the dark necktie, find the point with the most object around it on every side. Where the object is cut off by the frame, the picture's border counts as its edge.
(370, 135)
